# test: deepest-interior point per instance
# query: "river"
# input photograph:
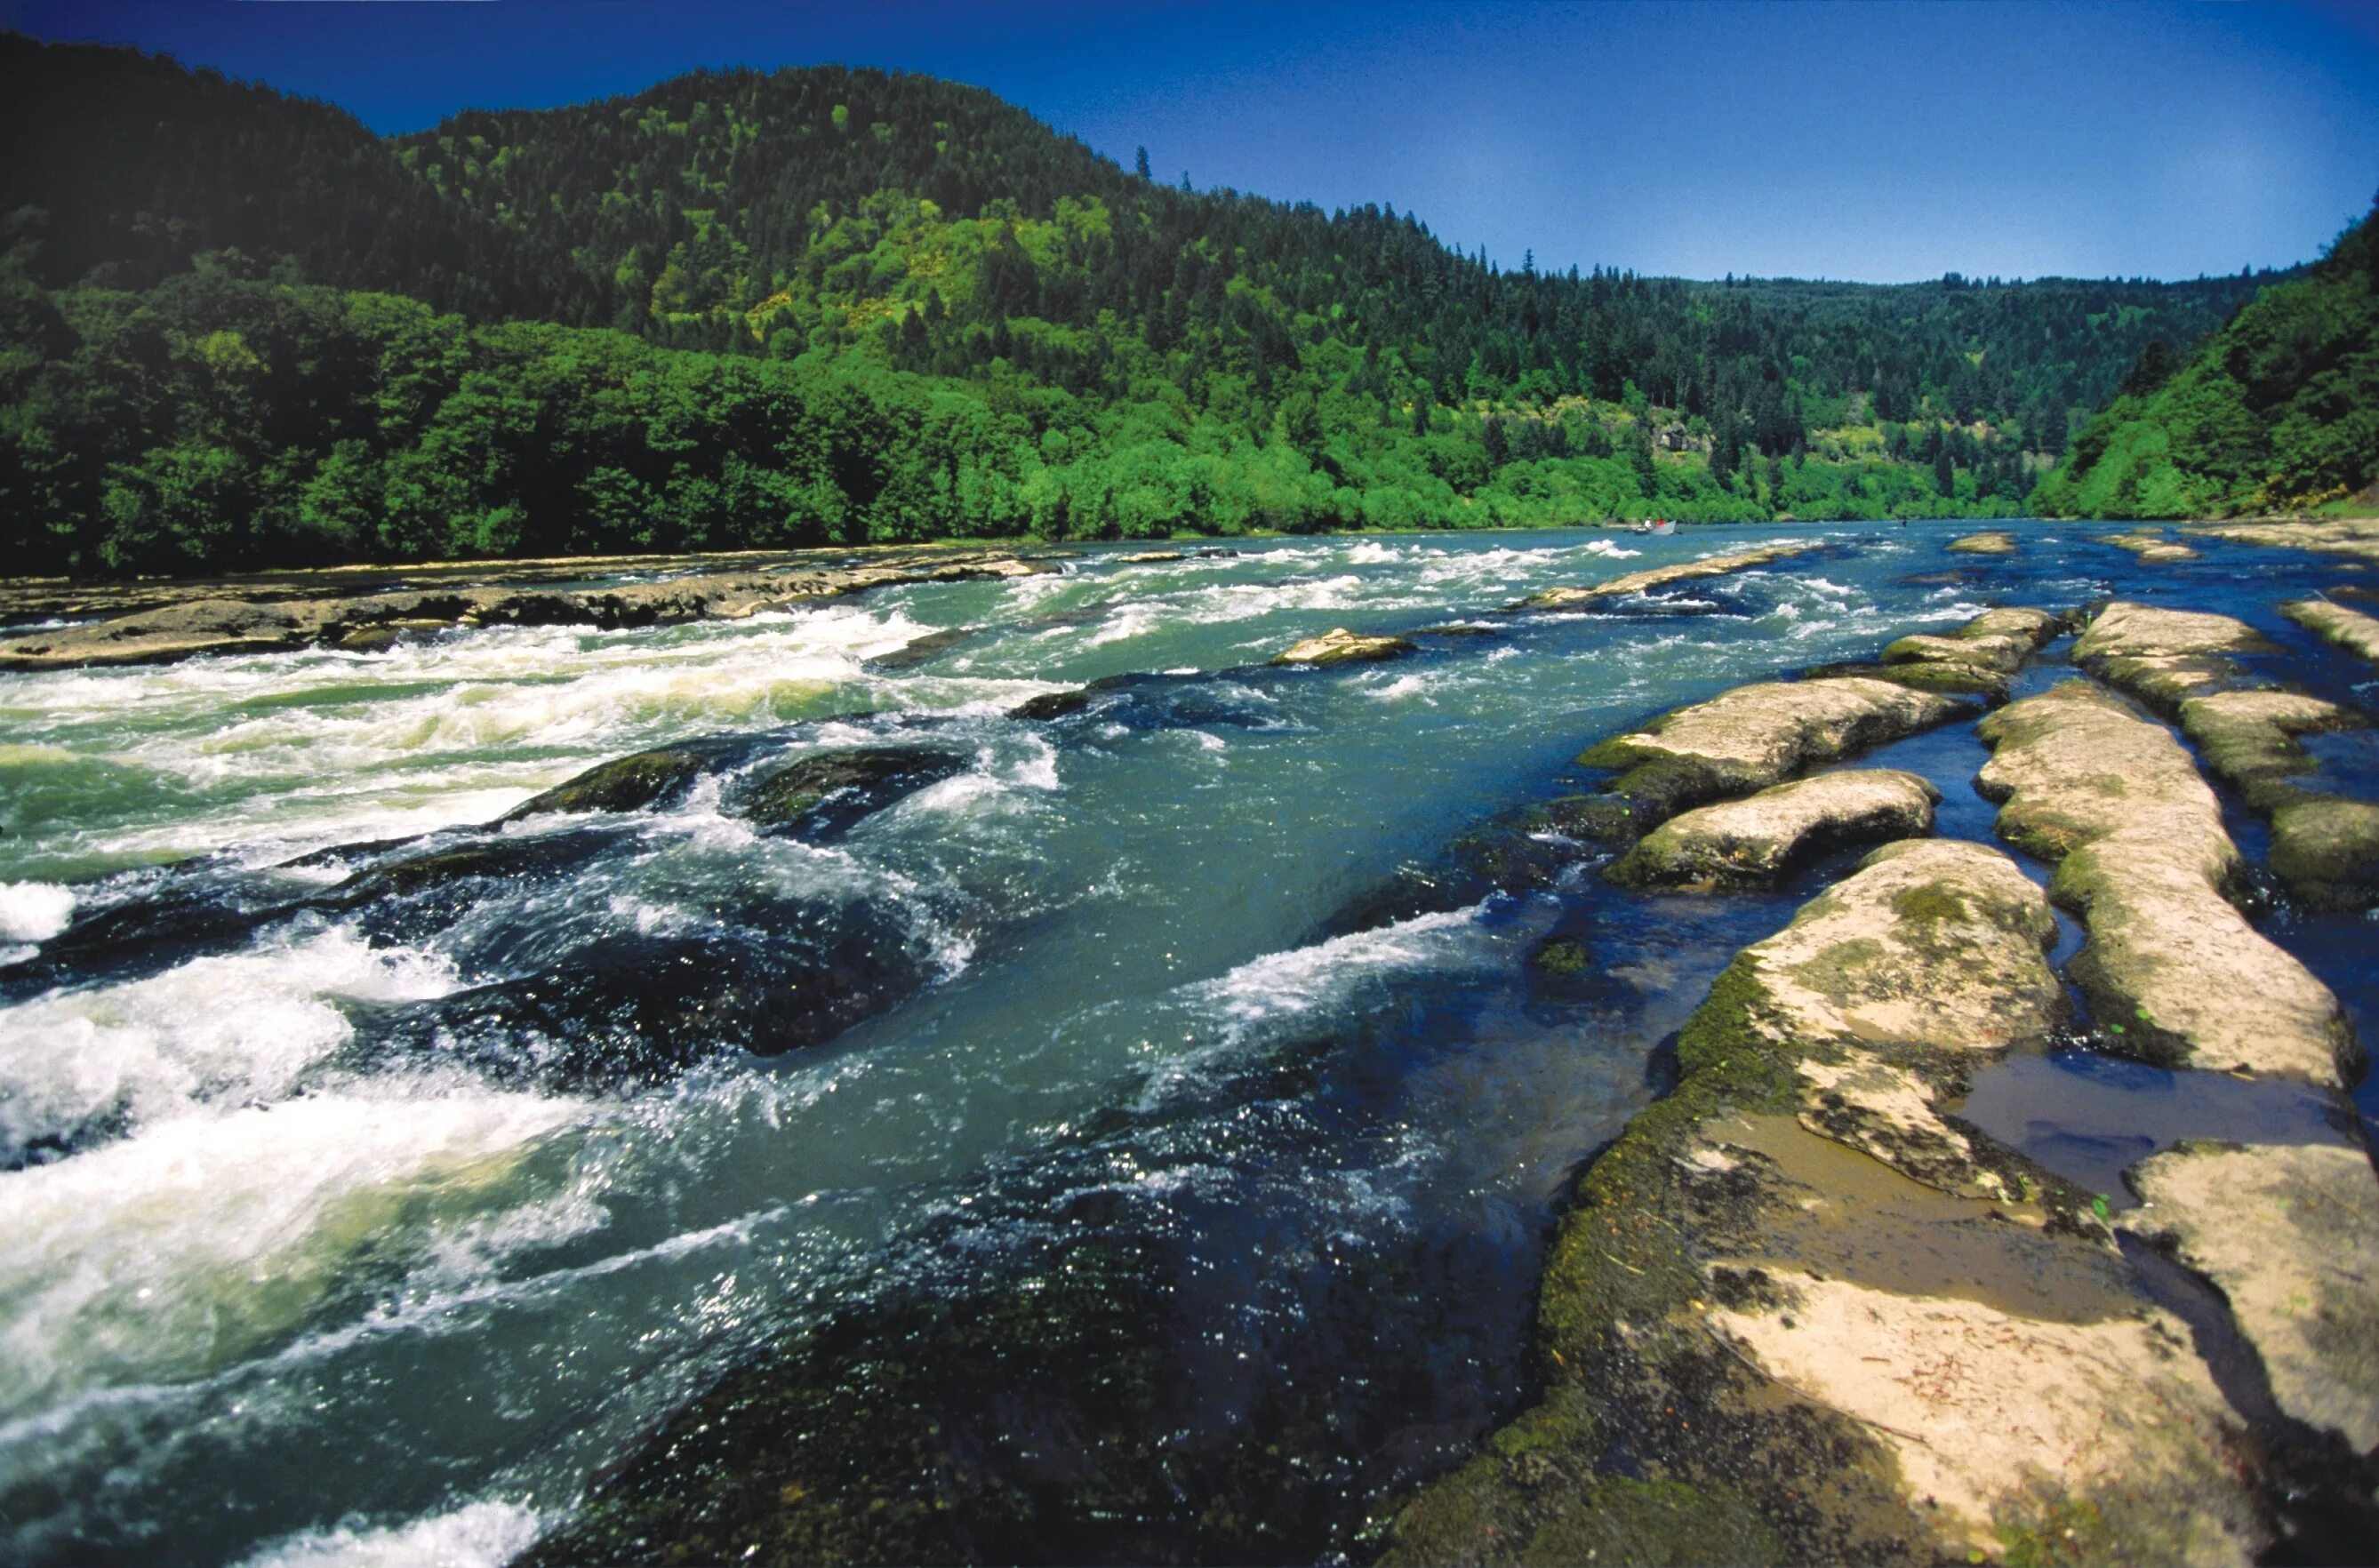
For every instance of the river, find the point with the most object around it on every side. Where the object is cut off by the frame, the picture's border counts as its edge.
(353, 1215)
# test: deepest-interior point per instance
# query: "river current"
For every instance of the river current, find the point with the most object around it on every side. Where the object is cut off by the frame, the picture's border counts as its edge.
(352, 1214)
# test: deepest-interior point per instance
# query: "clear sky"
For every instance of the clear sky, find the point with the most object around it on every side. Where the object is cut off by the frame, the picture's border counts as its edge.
(1872, 142)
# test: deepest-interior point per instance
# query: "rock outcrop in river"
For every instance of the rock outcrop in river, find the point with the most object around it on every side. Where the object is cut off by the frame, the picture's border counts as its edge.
(2116, 805)
(326, 613)
(1833, 1325)
(1753, 840)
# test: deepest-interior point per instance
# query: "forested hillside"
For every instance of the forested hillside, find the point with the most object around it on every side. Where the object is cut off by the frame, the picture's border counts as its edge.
(824, 304)
(2278, 411)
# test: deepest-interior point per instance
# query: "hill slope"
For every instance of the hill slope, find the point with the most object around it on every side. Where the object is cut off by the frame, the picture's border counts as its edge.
(2278, 411)
(850, 306)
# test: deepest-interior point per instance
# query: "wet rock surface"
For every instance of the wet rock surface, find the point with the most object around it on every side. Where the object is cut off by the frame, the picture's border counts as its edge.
(1754, 841)
(629, 783)
(2115, 803)
(1993, 543)
(819, 796)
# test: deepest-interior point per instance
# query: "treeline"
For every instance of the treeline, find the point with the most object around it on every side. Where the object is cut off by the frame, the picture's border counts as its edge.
(225, 420)
(2279, 410)
(838, 305)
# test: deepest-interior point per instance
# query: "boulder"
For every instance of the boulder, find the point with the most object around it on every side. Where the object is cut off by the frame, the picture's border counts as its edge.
(1993, 543)
(628, 783)
(1341, 646)
(2291, 1234)
(821, 795)
(2142, 856)
(1753, 840)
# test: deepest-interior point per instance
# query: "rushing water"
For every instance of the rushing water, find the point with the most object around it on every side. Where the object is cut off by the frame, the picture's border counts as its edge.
(350, 1215)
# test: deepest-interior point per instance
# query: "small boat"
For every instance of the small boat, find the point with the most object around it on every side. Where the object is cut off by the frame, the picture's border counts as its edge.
(1663, 527)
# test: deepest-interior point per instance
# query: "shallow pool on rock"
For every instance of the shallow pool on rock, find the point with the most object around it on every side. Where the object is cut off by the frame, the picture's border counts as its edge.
(1149, 1208)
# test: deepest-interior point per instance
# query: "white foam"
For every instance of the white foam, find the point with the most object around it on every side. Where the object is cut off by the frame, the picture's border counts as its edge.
(478, 1534)
(1248, 1005)
(164, 1255)
(231, 1027)
(35, 912)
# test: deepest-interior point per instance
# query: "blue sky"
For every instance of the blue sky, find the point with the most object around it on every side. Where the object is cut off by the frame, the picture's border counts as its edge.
(1872, 142)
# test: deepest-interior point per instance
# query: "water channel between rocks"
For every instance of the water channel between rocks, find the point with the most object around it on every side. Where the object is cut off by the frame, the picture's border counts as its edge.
(352, 1211)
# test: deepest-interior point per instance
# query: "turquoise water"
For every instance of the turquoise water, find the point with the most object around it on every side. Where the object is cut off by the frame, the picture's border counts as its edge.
(349, 1215)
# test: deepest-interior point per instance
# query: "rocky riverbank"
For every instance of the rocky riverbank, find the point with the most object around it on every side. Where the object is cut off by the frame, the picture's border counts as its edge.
(1802, 1311)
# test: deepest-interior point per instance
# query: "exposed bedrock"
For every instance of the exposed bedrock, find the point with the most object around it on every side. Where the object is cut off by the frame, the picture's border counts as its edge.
(2290, 1236)
(1338, 645)
(2172, 970)
(1753, 840)
(1754, 736)
(2350, 629)
(1994, 542)
(2355, 537)
(1660, 576)
(1741, 741)
(2180, 663)
(275, 619)
(1852, 1330)
(820, 795)
(2150, 545)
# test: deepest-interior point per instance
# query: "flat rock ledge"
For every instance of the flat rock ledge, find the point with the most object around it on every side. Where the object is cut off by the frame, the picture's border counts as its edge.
(1752, 737)
(2172, 971)
(1660, 576)
(2350, 629)
(2150, 546)
(1831, 1326)
(1993, 543)
(1982, 656)
(2179, 662)
(1751, 841)
(2355, 537)
(370, 623)
(2290, 1234)
(1339, 646)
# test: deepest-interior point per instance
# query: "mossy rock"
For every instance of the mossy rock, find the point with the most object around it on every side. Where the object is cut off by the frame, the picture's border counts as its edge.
(628, 783)
(828, 794)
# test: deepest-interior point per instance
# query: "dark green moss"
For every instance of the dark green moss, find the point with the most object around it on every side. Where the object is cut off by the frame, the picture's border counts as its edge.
(825, 794)
(628, 783)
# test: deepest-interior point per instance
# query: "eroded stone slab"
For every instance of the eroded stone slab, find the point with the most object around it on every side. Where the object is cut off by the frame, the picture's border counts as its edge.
(1754, 736)
(1749, 841)
(1793, 1284)
(2292, 1236)
(2172, 969)
(1995, 1417)
(1659, 577)
(2350, 629)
